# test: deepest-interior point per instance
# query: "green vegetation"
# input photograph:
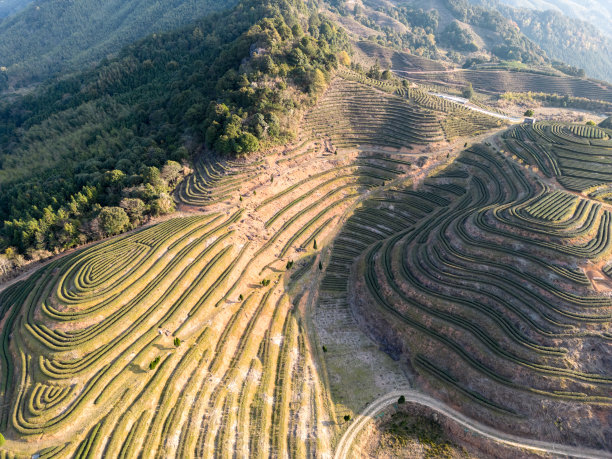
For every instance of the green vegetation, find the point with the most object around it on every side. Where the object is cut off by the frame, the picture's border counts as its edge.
(419, 27)
(109, 142)
(476, 269)
(528, 112)
(564, 39)
(514, 45)
(556, 100)
(468, 91)
(55, 36)
(153, 364)
(434, 282)
(9, 7)
(456, 37)
(554, 89)
(403, 429)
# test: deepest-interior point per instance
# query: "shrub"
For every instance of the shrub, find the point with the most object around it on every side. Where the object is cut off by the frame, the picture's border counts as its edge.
(289, 264)
(324, 349)
(163, 205)
(113, 220)
(265, 282)
(177, 342)
(154, 363)
(344, 59)
(240, 298)
(1, 440)
(401, 400)
(528, 113)
(590, 123)
(314, 245)
(468, 91)
(320, 266)
(347, 417)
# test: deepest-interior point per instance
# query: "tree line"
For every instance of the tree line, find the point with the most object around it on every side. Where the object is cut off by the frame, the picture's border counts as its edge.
(84, 152)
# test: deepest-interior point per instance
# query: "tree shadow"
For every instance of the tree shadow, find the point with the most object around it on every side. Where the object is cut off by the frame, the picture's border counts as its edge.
(136, 369)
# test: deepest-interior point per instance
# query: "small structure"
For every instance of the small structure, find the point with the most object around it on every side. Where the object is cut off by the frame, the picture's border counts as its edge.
(529, 120)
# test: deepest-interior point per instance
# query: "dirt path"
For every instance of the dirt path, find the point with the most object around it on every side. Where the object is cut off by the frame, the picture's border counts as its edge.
(344, 446)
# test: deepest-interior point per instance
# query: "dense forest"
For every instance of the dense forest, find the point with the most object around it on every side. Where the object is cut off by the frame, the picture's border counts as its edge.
(458, 38)
(514, 45)
(563, 38)
(51, 36)
(596, 12)
(98, 153)
(423, 33)
(420, 28)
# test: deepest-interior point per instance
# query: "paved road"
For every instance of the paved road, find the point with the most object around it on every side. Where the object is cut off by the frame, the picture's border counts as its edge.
(344, 446)
(458, 100)
(417, 72)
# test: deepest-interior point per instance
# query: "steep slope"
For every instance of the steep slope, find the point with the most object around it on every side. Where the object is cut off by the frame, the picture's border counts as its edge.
(563, 38)
(189, 338)
(233, 81)
(496, 297)
(596, 12)
(426, 27)
(52, 36)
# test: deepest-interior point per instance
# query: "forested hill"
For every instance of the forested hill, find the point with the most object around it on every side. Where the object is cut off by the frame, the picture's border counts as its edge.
(88, 155)
(563, 38)
(597, 12)
(50, 36)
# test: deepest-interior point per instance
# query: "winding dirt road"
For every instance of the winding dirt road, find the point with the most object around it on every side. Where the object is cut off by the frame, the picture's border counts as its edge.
(344, 446)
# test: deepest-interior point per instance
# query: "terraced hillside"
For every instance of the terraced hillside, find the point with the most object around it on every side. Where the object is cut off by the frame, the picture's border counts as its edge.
(229, 330)
(489, 283)
(577, 156)
(357, 110)
(188, 338)
(500, 81)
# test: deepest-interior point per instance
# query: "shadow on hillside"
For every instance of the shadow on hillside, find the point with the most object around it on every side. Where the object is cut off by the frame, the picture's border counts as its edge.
(136, 369)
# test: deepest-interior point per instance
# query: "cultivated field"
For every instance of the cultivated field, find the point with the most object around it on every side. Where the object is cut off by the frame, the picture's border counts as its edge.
(500, 81)
(229, 332)
(187, 338)
(497, 296)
